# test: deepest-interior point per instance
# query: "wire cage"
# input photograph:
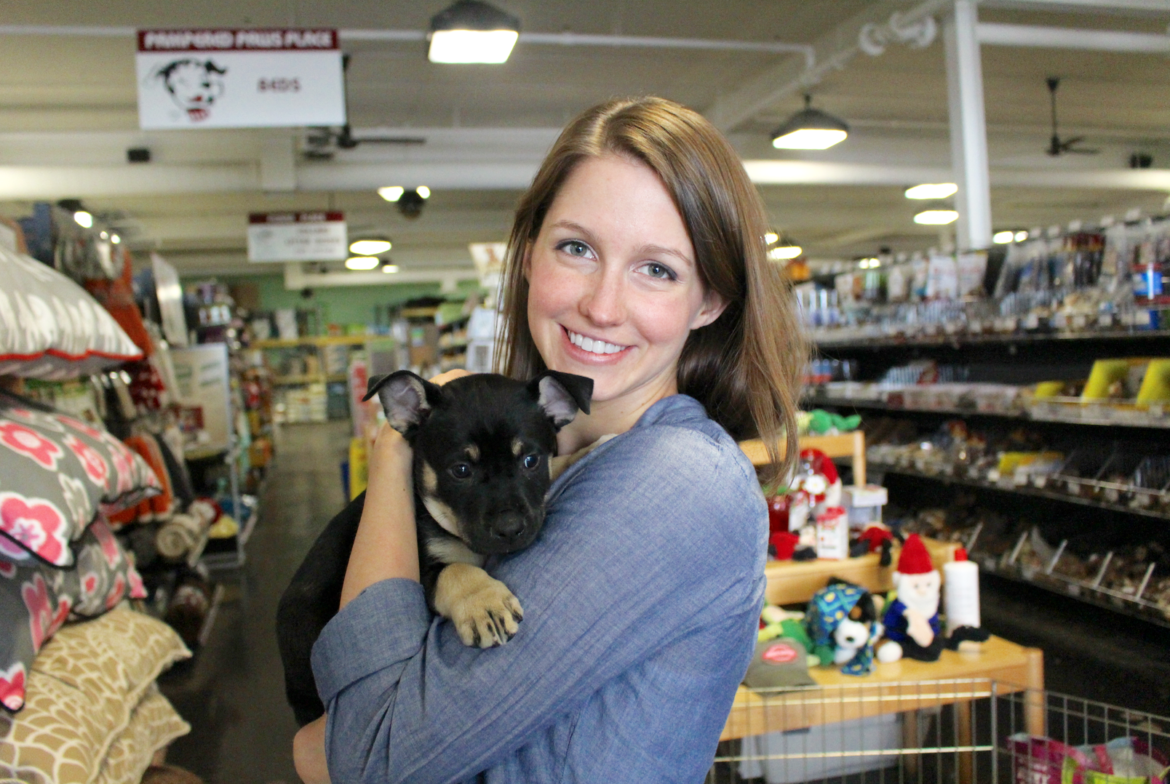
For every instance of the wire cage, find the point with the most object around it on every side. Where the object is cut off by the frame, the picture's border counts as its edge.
(962, 731)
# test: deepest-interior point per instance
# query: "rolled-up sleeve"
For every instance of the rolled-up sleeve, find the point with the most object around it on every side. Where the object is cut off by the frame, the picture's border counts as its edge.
(655, 535)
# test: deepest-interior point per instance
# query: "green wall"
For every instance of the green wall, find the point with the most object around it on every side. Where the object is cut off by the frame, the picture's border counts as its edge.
(341, 304)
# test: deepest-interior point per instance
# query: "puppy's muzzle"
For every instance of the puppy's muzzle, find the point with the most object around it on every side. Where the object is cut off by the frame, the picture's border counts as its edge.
(508, 527)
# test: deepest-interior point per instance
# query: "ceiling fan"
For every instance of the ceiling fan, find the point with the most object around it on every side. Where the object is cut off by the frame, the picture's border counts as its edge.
(1058, 146)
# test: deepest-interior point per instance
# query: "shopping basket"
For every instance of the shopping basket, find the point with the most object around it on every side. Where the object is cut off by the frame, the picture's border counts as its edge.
(960, 731)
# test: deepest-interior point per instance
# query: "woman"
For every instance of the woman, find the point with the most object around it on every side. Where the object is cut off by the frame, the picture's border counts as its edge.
(637, 258)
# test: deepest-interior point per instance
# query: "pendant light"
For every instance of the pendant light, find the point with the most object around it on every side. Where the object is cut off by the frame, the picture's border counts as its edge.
(810, 129)
(472, 32)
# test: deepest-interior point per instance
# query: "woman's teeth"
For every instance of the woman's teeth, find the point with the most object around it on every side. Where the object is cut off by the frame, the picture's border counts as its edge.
(593, 346)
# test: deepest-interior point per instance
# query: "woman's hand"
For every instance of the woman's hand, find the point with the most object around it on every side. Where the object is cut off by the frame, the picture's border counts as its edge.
(450, 375)
(309, 753)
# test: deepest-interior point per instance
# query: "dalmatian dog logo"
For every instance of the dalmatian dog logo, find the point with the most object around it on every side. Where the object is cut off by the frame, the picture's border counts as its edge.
(194, 85)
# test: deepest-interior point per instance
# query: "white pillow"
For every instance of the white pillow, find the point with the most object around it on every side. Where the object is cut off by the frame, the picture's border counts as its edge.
(51, 328)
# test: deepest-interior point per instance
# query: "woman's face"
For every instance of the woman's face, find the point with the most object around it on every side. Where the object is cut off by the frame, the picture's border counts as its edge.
(613, 286)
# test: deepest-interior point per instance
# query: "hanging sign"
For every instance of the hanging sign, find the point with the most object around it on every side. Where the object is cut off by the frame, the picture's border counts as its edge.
(297, 236)
(239, 79)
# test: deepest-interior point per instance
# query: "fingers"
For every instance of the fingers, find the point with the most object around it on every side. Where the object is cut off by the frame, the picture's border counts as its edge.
(450, 375)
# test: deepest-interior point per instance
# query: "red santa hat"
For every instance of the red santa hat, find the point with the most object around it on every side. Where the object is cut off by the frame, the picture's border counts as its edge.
(914, 558)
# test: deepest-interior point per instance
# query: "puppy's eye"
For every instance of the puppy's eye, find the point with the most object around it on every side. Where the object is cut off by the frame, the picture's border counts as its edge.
(461, 470)
(531, 461)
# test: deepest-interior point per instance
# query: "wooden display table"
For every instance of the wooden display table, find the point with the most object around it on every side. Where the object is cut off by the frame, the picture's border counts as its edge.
(958, 677)
(793, 582)
(850, 445)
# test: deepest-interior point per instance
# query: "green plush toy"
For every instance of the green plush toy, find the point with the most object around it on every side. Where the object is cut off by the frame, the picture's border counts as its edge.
(819, 422)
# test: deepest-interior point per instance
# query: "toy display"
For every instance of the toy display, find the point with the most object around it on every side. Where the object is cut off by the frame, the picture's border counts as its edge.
(843, 623)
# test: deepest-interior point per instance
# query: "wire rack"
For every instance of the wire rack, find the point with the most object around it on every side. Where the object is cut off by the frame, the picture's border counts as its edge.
(937, 731)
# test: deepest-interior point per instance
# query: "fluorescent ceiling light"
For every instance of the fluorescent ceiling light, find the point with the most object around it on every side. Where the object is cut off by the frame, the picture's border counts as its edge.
(784, 252)
(369, 247)
(389, 269)
(1021, 236)
(932, 190)
(114, 238)
(771, 237)
(84, 219)
(870, 263)
(1003, 237)
(936, 217)
(423, 191)
(362, 263)
(391, 192)
(472, 32)
(809, 129)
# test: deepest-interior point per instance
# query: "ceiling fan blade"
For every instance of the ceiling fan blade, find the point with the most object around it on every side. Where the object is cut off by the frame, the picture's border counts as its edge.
(1066, 143)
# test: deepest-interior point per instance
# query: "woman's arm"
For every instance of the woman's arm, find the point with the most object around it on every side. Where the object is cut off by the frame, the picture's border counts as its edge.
(386, 545)
(656, 540)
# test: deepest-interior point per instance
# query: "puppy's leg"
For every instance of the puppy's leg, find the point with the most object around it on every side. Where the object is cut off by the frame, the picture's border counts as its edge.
(484, 611)
(558, 465)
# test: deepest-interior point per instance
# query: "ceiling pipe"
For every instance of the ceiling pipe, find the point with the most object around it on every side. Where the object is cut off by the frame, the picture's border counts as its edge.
(996, 34)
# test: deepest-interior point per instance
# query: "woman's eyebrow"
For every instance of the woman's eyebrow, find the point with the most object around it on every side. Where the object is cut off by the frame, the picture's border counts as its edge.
(651, 249)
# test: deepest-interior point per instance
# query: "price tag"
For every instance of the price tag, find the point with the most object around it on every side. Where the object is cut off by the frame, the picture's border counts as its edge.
(1105, 320)
(1142, 318)
(1032, 321)
(1080, 321)
(975, 327)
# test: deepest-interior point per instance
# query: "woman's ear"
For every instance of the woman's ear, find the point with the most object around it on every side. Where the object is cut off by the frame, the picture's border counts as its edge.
(713, 307)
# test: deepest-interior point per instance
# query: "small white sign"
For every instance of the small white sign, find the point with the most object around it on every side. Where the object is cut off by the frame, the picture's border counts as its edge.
(239, 79)
(297, 236)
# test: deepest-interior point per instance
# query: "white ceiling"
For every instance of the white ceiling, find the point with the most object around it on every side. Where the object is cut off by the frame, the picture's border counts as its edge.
(68, 113)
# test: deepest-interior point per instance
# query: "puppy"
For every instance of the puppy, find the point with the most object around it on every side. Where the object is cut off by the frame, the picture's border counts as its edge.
(484, 457)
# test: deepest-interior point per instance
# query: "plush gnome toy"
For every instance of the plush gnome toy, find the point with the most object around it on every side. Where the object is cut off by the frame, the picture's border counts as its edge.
(911, 620)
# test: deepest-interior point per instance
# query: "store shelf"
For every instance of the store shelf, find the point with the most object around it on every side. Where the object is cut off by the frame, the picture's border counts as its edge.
(1079, 590)
(1154, 422)
(961, 340)
(294, 381)
(1031, 492)
(321, 340)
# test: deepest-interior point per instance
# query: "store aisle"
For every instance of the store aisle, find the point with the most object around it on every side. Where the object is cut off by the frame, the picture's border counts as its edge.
(233, 694)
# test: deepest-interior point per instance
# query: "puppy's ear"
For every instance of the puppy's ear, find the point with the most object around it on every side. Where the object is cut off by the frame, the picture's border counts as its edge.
(561, 395)
(406, 398)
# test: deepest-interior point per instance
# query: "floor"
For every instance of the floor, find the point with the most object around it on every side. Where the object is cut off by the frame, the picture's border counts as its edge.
(233, 693)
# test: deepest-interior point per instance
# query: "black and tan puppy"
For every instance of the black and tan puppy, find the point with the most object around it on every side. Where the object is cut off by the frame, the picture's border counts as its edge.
(484, 457)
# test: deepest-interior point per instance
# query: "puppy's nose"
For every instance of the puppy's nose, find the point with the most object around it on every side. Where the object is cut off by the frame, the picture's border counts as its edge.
(507, 526)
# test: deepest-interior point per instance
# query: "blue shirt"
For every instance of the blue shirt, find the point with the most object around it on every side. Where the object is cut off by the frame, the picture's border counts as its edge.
(641, 603)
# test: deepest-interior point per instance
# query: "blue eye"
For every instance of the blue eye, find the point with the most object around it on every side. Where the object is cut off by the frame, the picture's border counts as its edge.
(531, 461)
(461, 470)
(574, 247)
(659, 271)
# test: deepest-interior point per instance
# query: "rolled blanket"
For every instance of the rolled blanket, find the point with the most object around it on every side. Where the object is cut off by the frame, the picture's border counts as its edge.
(176, 537)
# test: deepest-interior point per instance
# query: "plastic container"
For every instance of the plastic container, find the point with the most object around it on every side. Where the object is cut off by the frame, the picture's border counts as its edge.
(961, 592)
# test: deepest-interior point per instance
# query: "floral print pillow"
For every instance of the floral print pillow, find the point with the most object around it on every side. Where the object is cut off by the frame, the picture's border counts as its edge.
(35, 600)
(56, 474)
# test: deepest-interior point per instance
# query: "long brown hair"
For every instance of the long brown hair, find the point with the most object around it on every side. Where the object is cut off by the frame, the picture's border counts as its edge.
(745, 367)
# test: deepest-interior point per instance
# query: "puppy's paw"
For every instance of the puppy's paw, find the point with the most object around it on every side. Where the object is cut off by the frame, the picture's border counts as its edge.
(485, 613)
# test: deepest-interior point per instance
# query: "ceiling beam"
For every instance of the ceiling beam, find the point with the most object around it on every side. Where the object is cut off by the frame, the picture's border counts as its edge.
(832, 51)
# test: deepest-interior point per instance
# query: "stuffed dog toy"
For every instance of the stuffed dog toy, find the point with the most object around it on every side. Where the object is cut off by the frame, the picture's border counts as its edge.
(484, 456)
(843, 622)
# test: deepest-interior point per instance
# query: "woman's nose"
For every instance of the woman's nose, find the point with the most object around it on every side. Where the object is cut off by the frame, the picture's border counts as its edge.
(604, 303)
